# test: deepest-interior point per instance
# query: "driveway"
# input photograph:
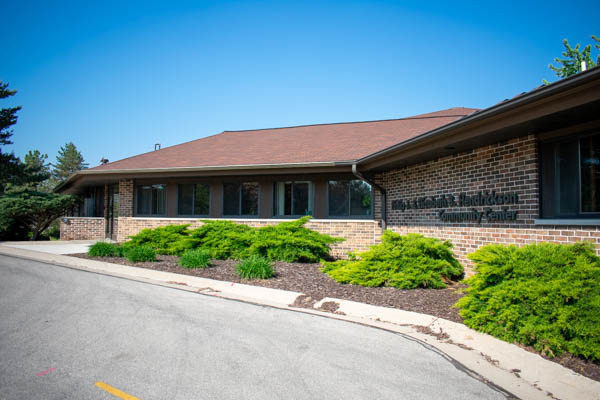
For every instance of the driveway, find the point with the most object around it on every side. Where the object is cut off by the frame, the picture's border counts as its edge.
(72, 334)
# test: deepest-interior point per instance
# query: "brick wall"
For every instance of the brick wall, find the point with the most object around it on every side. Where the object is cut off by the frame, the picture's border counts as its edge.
(506, 167)
(82, 228)
(126, 198)
(359, 234)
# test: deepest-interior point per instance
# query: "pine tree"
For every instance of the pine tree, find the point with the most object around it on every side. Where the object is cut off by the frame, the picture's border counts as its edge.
(38, 171)
(12, 170)
(68, 161)
(571, 63)
(8, 116)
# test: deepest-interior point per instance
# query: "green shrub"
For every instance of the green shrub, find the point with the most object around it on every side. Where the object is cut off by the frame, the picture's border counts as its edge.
(169, 240)
(541, 295)
(140, 253)
(291, 242)
(404, 262)
(121, 250)
(255, 267)
(103, 249)
(288, 241)
(197, 258)
(223, 239)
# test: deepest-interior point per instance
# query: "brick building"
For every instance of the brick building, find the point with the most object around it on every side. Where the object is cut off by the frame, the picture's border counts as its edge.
(524, 170)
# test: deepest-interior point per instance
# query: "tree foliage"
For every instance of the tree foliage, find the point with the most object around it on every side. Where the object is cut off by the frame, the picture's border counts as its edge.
(570, 64)
(11, 168)
(30, 211)
(8, 116)
(68, 161)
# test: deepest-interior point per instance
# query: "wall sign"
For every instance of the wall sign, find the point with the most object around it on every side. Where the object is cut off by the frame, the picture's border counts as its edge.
(447, 201)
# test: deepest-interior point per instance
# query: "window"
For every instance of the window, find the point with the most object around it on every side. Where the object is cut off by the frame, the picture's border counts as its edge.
(193, 199)
(93, 203)
(152, 199)
(349, 199)
(571, 178)
(292, 198)
(240, 199)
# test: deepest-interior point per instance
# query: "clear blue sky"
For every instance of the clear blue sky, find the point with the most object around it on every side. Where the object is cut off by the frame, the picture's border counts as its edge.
(116, 78)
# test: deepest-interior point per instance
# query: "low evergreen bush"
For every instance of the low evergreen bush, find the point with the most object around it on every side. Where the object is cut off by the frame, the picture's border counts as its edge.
(103, 249)
(541, 295)
(168, 240)
(223, 239)
(140, 253)
(404, 262)
(197, 258)
(291, 242)
(255, 267)
(288, 241)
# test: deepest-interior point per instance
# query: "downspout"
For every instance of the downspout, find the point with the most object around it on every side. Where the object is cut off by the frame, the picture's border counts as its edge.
(376, 186)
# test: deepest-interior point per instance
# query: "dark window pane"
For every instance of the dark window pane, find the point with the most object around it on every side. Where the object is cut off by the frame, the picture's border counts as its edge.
(202, 199)
(249, 198)
(89, 204)
(360, 198)
(144, 200)
(159, 194)
(287, 202)
(185, 199)
(566, 178)
(338, 198)
(590, 173)
(152, 200)
(231, 199)
(301, 199)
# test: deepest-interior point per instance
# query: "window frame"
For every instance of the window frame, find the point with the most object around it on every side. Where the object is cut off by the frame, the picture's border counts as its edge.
(258, 205)
(543, 192)
(194, 200)
(349, 216)
(311, 199)
(137, 200)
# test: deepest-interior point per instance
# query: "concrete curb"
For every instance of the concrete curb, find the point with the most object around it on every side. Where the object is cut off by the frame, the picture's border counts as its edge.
(517, 371)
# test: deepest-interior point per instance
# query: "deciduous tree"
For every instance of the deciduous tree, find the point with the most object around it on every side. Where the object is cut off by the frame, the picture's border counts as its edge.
(573, 57)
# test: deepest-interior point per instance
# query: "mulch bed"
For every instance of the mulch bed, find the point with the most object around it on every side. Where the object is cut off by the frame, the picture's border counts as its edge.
(308, 279)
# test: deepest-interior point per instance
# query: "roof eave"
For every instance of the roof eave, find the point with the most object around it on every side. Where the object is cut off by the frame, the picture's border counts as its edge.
(530, 97)
(321, 164)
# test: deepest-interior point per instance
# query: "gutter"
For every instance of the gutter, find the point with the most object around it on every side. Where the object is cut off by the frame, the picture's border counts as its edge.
(507, 105)
(378, 187)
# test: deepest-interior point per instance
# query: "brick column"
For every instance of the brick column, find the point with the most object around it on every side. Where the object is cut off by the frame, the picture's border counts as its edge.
(126, 190)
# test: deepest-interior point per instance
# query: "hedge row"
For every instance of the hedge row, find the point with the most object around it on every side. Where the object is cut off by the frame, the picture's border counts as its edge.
(286, 241)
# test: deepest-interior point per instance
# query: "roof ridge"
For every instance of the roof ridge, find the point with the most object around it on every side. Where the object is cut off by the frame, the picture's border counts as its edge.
(359, 122)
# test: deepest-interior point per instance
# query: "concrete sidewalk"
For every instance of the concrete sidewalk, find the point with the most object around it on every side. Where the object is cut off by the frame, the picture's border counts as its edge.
(53, 246)
(524, 374)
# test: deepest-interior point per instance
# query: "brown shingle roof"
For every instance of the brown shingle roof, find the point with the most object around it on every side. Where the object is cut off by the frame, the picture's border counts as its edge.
(300, 144)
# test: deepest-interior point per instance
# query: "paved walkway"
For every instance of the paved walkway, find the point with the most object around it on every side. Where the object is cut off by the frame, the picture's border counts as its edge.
(53, 246)
(524, 374)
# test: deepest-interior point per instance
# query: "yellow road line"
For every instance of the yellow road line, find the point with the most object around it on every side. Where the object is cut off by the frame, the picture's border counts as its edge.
(115, 392)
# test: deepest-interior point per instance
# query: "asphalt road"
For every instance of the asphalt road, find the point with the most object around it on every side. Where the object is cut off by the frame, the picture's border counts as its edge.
(62, 331)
